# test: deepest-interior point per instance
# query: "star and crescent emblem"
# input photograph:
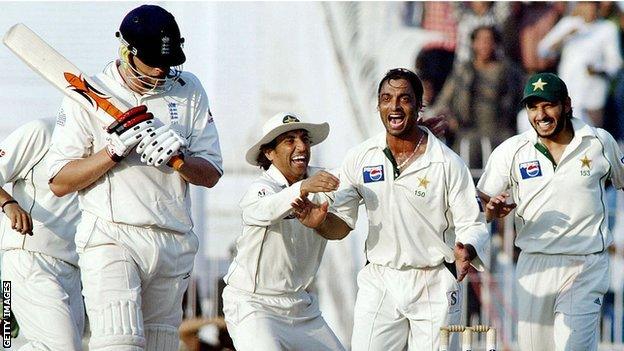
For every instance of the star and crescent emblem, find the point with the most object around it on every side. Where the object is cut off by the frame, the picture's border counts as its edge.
(539, 84)
(585, 162)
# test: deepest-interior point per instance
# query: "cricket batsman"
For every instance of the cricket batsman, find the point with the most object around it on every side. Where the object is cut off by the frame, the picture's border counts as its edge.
(135, 239)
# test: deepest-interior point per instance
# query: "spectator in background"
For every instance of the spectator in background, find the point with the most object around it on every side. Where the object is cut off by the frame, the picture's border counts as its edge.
(536, 19)
(475, 14)
(615, 105)
(435, 61)
(589, 52)
(482, 97)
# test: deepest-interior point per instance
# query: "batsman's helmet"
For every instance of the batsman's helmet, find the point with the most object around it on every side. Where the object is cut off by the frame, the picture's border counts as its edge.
(152, 34)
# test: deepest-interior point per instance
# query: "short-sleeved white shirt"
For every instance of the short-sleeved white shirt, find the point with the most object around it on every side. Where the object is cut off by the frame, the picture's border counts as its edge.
(132, 192)
(561, 209)
(22, 162)
(276, 254)
(416, 218)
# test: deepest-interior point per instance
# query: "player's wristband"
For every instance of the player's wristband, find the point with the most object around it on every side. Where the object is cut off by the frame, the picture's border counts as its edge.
(116, 158)
(12, 201)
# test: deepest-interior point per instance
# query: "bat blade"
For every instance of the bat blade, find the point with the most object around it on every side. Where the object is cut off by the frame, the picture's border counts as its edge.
(59, 71)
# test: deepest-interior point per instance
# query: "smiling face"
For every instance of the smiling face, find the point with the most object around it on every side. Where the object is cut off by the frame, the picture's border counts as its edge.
(548, 118)
(398, 107)
(291, 154)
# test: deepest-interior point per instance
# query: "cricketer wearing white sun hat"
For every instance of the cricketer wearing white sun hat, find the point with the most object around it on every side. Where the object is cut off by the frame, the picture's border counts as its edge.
(283, 122)
(266, 302)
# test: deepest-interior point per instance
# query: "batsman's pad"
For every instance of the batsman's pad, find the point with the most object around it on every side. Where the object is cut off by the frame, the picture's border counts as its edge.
(161, 337)
(117, 326)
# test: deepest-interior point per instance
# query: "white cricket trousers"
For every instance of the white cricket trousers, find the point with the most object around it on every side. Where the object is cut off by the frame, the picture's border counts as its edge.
(133, 281)
(46, 300)
(399, 309)
(559, 300)
(273, 323)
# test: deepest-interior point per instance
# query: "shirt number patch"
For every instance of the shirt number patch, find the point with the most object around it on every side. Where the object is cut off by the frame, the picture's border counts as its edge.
(530, 169)
(373, 174)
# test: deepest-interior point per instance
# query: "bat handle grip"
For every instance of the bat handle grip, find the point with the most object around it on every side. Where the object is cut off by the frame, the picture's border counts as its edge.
(176, 162)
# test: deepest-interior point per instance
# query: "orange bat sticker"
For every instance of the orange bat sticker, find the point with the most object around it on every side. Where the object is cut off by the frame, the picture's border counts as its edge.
(96, 98)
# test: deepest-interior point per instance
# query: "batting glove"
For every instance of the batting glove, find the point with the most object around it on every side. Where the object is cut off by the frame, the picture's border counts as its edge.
(159, 146)
(126, 132)
(129, 119)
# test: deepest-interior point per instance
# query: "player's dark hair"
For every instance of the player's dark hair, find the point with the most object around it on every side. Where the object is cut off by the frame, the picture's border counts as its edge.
(262, 160)
(404, 73)
(569, 115)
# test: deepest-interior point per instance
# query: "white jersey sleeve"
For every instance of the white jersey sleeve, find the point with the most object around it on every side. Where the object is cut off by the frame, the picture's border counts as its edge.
(558, 33)
(614, 155)
(611, 57)
(347, 199)
(496, 176)
(72, 139)
(204, 140)
(263, 205)
(23, 149)
(468, 221)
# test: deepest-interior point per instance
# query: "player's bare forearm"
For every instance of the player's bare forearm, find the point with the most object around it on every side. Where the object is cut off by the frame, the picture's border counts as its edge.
(79, 174)
(199, 171)
(333, 228)
(485, 198)
(4, 196)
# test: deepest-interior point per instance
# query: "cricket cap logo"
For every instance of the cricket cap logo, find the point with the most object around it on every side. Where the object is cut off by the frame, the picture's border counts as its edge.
(289, 119)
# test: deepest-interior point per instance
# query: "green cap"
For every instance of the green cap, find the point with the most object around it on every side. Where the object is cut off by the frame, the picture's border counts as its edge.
(547, 86)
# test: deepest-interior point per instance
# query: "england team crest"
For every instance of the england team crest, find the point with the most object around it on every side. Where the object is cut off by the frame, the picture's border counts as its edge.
(530, 169)
(373, 174)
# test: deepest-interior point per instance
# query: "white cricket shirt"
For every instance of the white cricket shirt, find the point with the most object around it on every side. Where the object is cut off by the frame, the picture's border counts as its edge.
(23, 156)
(416, 218)
(276, 254)
(132, 192)
(561, 209)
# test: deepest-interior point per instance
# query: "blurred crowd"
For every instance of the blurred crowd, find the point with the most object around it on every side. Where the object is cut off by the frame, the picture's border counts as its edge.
(475, 73)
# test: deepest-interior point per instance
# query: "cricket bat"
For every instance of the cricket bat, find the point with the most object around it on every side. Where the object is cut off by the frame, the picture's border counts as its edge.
(64, 75)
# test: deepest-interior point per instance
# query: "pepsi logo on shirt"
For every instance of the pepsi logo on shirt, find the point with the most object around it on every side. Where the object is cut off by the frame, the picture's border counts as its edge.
(530, 169)
(373, 174)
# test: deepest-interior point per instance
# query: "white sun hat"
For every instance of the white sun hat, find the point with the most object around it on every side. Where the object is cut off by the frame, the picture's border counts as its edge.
(285, 122)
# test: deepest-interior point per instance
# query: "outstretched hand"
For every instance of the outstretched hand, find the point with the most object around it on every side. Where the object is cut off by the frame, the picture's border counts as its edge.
(310, 214)
(498, 207)
(320, 182)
